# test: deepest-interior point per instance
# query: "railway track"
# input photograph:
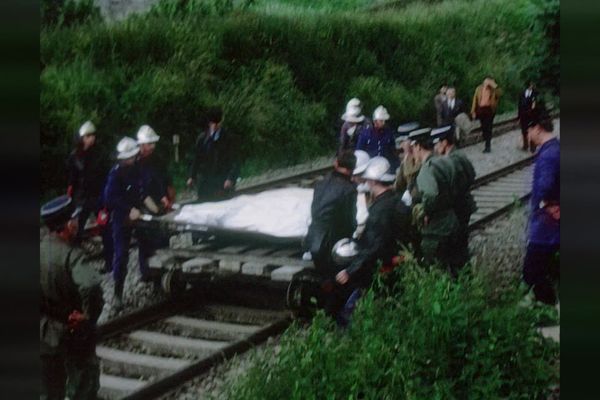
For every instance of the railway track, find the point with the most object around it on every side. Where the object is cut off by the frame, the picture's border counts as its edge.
(145, 354)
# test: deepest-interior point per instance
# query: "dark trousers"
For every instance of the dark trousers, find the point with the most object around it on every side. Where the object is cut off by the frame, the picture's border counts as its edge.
(486, 118)
(541, 270)
(71, 375)
(121, 238)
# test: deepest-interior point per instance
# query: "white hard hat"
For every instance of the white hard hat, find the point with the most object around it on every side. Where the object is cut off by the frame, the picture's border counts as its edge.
(87, 128)
(127, 148)
(353, 114)
(381, 114)
(343, 251)
(378, 170)
(353, 102)
(146, 135)
(362, 160)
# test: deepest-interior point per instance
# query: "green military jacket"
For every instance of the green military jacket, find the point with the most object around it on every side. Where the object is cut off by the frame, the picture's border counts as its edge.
(437, 197)
(68, 282)
(463, 180)
(407, 175)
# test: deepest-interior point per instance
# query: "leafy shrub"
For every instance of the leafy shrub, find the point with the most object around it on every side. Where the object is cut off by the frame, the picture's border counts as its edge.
(65, 13)
(283, 80)
(426, 338)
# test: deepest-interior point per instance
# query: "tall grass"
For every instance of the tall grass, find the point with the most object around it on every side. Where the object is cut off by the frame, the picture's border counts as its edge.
(426, 338)
(283, 80)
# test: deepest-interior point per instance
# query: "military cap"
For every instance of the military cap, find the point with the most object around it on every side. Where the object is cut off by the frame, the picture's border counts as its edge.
(441, 133)
(403, 131)
(419, 135)
(57, 212)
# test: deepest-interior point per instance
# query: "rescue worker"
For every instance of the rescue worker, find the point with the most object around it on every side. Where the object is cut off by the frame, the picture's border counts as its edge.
(123, 197)
(362, 200)
(71, 302)
(541, 269)
(354, 123)
(214, 166)
(156, 182)
(406, 174)
(464, 177)
(158, 195)
(434, 214)
(86, 175)
(386, 228)
(333, 212)
(378, 140)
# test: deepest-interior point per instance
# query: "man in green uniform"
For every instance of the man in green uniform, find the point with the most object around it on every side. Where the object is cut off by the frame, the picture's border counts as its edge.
(434, 214)
(71, 303)
(464, 204)
(406, 175)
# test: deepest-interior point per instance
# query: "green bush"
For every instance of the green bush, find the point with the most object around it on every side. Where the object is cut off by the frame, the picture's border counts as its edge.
(282, 79)
(427, 338)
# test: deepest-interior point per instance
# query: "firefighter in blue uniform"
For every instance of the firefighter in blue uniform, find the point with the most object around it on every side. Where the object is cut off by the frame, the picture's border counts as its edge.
(71, 302)
(387, 227)
(158, 193)
(378, 139)
(123, 197)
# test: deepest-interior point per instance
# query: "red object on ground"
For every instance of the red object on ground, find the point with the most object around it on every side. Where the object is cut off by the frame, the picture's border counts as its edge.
(102, 218)
(70, 191)
(75, 319)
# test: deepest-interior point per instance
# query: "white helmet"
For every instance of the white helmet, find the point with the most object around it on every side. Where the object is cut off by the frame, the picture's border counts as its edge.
(353, 102)
(87, 128)
(378, 170)
(381, 114)
(343, 252)
(146, 135)
(127, 148)
(362, 160)
(353, 114)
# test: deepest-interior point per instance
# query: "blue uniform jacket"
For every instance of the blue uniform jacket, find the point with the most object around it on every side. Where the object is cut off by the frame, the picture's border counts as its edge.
(379, 143)
(154, 177)
(123, 190)
(544, 230)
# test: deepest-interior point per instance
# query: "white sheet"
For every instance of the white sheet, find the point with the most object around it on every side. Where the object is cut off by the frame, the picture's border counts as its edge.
(283, 213)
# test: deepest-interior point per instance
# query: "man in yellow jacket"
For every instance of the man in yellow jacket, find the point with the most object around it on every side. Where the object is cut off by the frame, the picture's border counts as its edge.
(483, 108)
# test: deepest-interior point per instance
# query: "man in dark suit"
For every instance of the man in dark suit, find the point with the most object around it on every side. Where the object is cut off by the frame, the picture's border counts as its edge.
(451, 107)
(527, 104)
(215, 164)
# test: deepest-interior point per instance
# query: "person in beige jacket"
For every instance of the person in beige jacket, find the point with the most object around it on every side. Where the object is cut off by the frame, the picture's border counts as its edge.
(483, 108)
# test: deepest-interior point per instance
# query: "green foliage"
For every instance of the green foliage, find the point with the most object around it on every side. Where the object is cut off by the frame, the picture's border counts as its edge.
(427, 337)
(63, 13)
(282, 79)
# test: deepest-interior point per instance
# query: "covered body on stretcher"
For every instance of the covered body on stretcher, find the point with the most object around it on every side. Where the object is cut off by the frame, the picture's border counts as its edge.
(282, 214)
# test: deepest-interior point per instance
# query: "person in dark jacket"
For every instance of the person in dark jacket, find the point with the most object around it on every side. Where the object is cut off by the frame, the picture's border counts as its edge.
(354, 123)
(463, 179)
(451, 107)
(156, 182)
(215, 164)
(71, 302)
(541, 265)
(157, 189)
(527, 104)
(387, 226)
(86, 174)
(378, 139)
(333, 212)
(124, 198)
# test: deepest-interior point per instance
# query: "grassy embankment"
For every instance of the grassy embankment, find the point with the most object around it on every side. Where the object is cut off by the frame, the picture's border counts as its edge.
(283, 78)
